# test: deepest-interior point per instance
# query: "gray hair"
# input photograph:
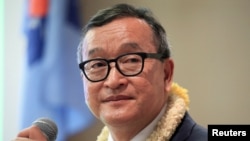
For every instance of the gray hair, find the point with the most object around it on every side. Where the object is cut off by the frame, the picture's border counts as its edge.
(106, 16)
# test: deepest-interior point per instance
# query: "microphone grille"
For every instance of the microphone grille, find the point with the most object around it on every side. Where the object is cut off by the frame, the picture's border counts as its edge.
(48, 127)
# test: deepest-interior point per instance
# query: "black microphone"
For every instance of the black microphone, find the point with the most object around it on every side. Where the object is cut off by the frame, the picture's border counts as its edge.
(48, 128)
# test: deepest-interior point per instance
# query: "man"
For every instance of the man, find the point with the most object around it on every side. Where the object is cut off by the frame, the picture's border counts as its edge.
(127, 74)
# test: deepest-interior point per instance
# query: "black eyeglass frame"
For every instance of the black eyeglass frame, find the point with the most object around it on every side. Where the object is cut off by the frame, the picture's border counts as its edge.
(142, 54)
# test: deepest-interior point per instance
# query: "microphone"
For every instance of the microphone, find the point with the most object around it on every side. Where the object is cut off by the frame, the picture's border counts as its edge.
(48, 128)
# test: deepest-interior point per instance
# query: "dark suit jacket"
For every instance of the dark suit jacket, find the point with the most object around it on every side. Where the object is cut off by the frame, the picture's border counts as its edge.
(189, 130)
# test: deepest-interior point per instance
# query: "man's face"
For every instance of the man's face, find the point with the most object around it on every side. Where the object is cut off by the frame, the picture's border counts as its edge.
(119, 99)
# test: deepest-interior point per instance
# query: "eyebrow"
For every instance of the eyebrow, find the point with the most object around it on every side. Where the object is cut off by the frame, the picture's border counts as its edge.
(132, 45)
(92, 51)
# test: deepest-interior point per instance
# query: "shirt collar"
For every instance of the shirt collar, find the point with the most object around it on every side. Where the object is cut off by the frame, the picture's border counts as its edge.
(142, 136)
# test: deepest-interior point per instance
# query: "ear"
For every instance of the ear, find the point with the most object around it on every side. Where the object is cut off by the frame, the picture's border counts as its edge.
(169, 72)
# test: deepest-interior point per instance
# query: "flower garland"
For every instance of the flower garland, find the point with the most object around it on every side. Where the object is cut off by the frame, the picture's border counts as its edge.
(180, 91)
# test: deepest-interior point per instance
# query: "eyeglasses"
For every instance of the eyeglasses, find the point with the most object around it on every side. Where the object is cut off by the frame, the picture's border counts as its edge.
(130, 64)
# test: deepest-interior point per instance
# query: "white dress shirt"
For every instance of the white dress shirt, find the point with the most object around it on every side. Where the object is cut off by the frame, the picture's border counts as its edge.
(142, 136)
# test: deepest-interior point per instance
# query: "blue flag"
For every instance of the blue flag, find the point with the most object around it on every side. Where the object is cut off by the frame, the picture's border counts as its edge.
(52, 85)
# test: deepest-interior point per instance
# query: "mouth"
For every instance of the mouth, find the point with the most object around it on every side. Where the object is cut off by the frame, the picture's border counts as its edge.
(117, 98)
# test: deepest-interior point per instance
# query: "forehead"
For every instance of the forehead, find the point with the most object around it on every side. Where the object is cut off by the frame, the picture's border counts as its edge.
(121, 34)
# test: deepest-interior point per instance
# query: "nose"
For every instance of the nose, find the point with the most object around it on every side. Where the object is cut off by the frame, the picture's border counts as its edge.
(115, 79)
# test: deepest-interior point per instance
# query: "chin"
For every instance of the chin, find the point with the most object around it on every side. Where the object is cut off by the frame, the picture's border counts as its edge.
(119, 118)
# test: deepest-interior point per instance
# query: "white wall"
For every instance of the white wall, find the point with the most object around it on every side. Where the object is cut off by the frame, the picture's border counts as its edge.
(14, 46)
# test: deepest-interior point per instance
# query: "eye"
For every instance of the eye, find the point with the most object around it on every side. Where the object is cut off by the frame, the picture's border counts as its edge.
(130, 59)
(95, 64)
(135, 60)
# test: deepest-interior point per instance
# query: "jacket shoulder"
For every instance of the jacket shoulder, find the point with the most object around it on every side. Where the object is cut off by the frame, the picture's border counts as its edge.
(189, 130)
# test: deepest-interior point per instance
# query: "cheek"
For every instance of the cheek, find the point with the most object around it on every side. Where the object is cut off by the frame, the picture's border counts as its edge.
(154, 74)
(90, 95)
(152, 83)
(92, 98)
(144, 89)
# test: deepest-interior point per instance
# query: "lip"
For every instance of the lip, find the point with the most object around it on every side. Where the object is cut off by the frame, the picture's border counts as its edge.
(117, 98)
